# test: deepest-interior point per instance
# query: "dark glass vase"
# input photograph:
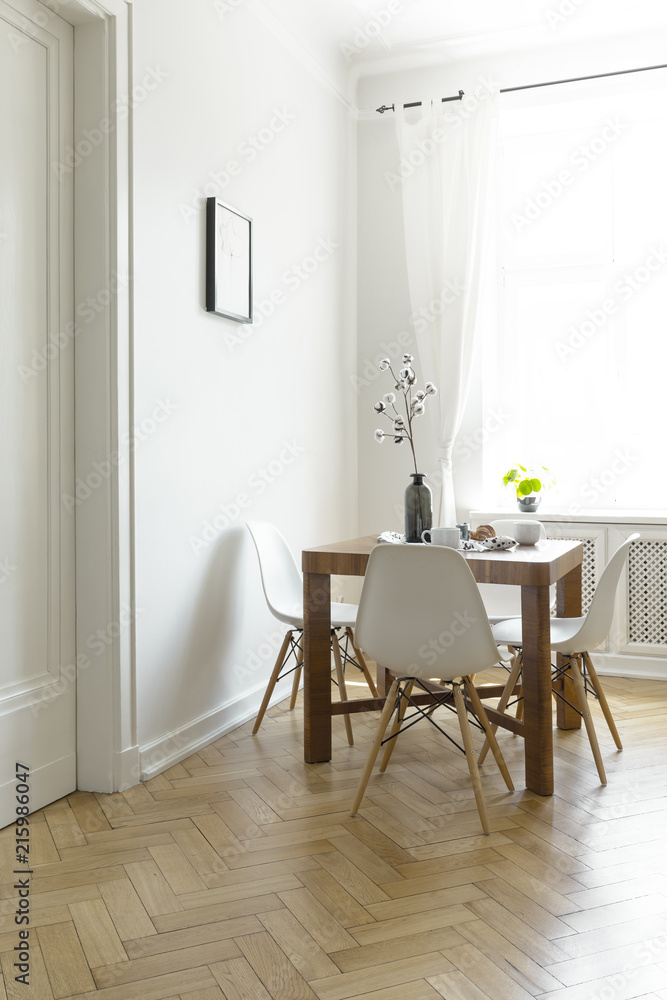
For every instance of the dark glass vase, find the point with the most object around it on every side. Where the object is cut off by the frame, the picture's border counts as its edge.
(418, 508)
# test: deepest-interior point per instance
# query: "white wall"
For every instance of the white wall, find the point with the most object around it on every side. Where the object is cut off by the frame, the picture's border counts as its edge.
(384, 305)
(236, 400)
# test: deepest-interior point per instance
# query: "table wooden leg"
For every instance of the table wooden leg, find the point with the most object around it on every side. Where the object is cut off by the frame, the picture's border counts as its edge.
(317, 664)
(537, 690)
(383, 680)
(568, 606)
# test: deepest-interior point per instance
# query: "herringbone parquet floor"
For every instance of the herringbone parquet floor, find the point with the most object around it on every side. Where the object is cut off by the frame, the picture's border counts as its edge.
(239, 874)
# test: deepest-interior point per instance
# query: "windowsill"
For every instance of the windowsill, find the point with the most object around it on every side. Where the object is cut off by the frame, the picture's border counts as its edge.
(583, 516)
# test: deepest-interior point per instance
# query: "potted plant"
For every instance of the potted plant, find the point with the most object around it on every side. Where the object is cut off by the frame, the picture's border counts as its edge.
(529, 482)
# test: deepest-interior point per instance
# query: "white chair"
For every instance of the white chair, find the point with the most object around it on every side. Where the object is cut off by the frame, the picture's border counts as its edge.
(422, 617)
(573, 638)
(283, 589)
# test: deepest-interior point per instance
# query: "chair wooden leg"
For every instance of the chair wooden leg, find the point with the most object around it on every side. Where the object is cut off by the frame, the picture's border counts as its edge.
(297, 675)
(272, 682)
(359, 656)
(604, 705)
(459, 701)
(402, 708)
(588, 721)
(375, 746)
(504, 700)
(491, 741)
(340, 676)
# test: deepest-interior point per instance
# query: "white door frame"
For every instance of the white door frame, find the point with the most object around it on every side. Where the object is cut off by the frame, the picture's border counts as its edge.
(101, 159)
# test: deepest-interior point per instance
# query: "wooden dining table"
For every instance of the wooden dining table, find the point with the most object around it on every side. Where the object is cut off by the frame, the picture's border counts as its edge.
(533, 568)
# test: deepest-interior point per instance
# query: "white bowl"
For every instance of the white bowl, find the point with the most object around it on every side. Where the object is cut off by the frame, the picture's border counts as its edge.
(527, 532)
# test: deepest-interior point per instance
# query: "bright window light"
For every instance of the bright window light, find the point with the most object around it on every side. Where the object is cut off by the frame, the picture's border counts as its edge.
(580, 354)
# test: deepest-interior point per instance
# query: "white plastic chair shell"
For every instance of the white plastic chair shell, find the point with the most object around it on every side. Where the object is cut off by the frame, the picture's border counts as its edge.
(421, 613)
(577, 635)
(282, 581)
(283, 589)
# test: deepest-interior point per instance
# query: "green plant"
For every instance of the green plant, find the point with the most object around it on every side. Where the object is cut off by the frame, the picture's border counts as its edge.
(528, 481)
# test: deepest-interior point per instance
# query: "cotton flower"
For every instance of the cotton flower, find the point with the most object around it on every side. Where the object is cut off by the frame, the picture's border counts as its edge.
(405, 404)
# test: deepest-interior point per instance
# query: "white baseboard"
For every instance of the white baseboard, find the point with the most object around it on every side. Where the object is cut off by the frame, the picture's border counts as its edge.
(47, 784)
(168, 750)
(647, 668)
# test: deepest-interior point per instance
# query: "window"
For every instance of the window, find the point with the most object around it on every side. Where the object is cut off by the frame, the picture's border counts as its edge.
(579, 359)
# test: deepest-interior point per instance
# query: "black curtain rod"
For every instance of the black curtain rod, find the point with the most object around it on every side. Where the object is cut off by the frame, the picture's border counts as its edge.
(532, 86)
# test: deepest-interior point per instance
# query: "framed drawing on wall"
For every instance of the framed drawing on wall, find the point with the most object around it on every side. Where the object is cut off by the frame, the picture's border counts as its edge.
(228, 261)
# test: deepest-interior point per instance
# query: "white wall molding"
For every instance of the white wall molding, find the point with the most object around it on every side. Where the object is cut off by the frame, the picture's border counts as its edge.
(583, 515)
(106, 725)
(648, 668)
(160, 754)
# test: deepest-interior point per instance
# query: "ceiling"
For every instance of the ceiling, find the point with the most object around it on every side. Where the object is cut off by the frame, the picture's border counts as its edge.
(371, 36)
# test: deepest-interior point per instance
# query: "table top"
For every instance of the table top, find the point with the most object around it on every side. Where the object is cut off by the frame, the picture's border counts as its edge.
(537, 565)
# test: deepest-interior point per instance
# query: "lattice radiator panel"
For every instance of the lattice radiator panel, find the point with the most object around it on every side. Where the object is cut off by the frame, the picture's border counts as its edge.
(647, 592)
(588, 571)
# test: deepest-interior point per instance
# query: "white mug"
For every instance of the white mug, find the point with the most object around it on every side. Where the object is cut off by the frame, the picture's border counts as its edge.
(442, 536)
(527, 532)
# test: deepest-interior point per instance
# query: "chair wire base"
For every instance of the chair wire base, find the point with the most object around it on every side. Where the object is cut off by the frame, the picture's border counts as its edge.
(425, 713)
(556, 674)
(296, 646)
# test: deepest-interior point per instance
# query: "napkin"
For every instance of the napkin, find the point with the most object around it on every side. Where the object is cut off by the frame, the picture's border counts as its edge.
(391, 536)
(489, 544)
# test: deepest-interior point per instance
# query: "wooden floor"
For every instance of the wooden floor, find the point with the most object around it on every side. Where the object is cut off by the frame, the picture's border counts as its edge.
(239, 874)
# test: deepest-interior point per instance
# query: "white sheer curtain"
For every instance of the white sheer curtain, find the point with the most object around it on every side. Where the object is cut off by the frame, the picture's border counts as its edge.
(448, 172)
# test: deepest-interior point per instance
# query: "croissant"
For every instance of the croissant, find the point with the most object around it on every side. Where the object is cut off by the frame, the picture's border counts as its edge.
(484, 531)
